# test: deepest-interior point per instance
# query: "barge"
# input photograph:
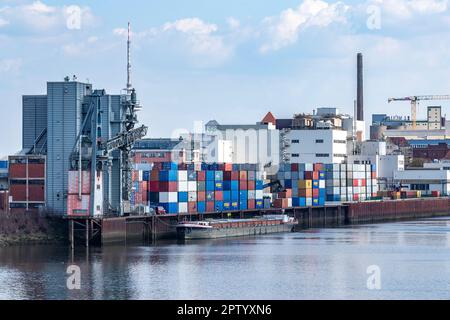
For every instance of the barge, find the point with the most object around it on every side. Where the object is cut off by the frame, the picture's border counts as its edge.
(213, 229)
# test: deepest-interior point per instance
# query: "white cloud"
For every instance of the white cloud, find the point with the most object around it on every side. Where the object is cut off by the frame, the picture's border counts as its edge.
(196, 37)
(191, 26)
(3, 22)
(10, 65)
(407, 8)
(233, 23)
(284, 29)
(40, 17)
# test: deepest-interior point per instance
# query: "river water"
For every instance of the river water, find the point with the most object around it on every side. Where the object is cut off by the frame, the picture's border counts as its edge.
(405, 260)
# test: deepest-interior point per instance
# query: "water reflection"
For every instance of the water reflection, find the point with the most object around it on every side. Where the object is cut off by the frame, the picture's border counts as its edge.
(316, 264)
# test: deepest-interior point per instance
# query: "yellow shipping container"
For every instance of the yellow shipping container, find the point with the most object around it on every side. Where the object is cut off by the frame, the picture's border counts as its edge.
(305, 184)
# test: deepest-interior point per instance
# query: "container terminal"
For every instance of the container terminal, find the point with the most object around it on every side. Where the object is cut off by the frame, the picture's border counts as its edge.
(85, 159)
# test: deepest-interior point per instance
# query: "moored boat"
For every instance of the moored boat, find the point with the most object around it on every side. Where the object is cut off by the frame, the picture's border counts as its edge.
(224, 228)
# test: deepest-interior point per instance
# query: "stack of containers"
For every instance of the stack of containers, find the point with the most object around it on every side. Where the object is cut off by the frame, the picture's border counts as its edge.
(350, 182)
(189, 188)
(306, 182)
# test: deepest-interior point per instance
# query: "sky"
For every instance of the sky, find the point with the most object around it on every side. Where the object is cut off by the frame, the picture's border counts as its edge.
(228, 60)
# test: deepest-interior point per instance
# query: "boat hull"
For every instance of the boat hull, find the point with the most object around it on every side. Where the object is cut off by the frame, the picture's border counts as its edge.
(188, 233)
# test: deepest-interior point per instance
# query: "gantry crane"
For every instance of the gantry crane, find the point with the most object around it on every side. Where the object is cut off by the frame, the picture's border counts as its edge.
(414, 101)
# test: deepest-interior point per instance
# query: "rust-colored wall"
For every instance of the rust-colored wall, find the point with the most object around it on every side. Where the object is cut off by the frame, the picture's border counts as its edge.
(367, 212)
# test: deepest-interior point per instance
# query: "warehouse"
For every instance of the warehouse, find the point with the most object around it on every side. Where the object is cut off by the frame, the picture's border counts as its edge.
(425, 180)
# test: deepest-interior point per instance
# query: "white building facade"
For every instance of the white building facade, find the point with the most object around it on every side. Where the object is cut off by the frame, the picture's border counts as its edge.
(316, 146)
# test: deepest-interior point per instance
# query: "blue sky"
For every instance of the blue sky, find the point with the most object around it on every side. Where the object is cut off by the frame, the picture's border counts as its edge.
(227, 60)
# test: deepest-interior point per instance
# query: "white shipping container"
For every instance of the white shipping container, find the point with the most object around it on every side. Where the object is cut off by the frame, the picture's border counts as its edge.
(183, 207)
(192, 186)
(167, 197)
(251, 194)
(309, 167)
(182, 175)
(289, 202)
(183, 186)
(192, 196)
(259, 194)
(322, 184)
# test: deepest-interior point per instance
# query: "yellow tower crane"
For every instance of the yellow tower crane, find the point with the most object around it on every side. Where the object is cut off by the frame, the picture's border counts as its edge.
(415, 100)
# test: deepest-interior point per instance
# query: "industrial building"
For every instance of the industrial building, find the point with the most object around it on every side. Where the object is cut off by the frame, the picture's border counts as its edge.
(84, 130)
(27, 180)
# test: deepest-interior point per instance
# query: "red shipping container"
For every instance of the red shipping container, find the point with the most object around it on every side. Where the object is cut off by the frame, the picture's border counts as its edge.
(154, 175)
(218, 196)
(363, 183)
(235, 175)
(355, 183)
(315, 193)
(221, 167)
(154, 186)
(201, 196)
(17, 170)
(168, 186)
(355, 197)
(228, 167)
(192, 207)
(374, 175)
(210, 206)
(242, 175)
(36, 193)
(318, 167)
(251, 185)
(309, 175)
(144, 197)
(201, 176)
(143, 186)
(294, 167)
(18, 192)
(243, 185)
(135, 175)
(251, 204)
(158, 166)
(316, 175)
(227, 176)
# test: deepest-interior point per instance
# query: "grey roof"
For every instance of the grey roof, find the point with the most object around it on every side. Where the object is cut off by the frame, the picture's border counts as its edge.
(156, 144)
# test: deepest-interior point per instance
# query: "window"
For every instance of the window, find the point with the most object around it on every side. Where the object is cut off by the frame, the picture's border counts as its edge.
(295, 141)
(322, 155)
(340, 141)
(319, 141)
(339, 155)
(295, 155)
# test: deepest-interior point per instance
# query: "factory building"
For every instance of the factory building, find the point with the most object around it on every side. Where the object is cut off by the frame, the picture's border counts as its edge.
(251, 144)
(434, 127)
(73, 110)
(316, 146)
(375, 152)
(425, 180)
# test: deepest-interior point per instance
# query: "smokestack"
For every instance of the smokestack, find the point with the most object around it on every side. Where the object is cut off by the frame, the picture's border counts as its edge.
(360, 89)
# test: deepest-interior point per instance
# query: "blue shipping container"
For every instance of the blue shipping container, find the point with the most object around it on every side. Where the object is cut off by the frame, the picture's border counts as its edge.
(243, 195)
(227, 196)
(171, 207)
(218, 205)
(210, 185)
(218, 185)
(183, 197)
(201, 207)
(243, 205)
(259, 184)
(146, 175)
(234, 195)
(210, 175)
(168, 175)
(302, 202)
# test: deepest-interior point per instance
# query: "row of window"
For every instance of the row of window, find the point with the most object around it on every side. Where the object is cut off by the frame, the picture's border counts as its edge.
(322, 141)
(321, 155)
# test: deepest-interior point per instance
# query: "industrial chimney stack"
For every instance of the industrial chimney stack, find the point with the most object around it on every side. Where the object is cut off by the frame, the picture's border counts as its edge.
(360, 89)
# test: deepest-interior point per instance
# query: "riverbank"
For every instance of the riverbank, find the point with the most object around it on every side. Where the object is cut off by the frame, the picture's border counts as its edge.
(30, 228)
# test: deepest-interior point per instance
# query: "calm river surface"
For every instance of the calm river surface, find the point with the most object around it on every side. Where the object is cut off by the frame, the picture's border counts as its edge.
(413, 259)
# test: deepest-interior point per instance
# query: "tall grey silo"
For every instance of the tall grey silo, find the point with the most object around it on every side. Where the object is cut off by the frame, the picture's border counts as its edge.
(64, 116)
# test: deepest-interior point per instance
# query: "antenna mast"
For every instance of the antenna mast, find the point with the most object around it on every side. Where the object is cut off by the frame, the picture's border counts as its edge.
(129, 86)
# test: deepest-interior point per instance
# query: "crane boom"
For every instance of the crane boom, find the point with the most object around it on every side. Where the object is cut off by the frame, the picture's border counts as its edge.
(414, 100)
